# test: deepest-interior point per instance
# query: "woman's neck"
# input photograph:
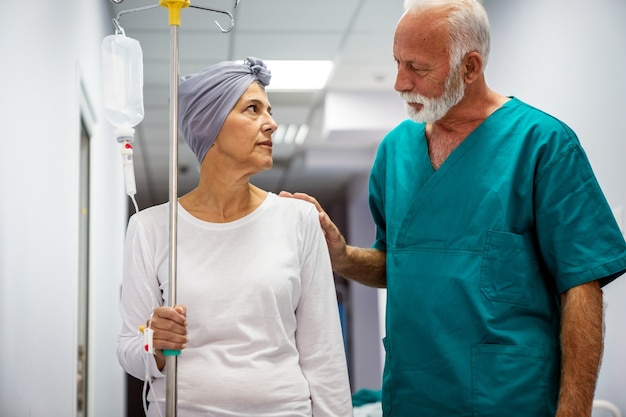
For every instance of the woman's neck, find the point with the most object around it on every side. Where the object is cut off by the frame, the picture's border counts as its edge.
(223, 204)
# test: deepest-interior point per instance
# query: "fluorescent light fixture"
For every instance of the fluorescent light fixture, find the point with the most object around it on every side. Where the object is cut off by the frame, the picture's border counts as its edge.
(302, 134)
(298, 75)
(290, 134)
(279, 134)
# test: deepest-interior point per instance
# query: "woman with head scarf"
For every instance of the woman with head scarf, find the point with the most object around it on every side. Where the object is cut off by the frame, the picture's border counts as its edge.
(257, 325)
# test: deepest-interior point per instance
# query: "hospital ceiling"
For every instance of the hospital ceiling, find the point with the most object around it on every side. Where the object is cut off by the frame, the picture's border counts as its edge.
(346, 119)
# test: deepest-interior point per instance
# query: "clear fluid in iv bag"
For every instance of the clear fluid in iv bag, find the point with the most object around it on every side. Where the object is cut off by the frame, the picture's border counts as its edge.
(122, 75)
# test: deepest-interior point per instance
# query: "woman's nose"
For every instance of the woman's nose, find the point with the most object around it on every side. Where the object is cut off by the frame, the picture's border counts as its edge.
(271, 124)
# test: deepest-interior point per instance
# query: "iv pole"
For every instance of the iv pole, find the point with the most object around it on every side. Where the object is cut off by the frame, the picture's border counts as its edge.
(174, 7)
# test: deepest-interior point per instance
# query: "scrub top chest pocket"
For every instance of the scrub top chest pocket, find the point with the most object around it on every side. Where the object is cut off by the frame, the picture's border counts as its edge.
(509, 270)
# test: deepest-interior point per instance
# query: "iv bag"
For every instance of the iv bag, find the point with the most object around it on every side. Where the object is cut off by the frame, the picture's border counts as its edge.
(122, 76)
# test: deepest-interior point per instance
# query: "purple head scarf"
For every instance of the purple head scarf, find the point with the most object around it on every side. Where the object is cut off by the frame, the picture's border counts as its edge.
(206, 98)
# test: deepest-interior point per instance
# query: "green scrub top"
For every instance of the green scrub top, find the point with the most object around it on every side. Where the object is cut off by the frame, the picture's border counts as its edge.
(478, 253)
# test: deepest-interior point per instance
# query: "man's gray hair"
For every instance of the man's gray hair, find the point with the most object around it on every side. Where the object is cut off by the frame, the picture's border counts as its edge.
(468, 26)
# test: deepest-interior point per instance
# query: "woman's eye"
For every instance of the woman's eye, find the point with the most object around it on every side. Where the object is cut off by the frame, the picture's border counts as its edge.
(252, 108)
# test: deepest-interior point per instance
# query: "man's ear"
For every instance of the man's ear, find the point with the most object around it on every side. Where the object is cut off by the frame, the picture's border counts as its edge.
(472, 66)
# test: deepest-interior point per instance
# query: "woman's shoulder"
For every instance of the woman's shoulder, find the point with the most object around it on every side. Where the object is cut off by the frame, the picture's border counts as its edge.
(286, 205)
(154, 215)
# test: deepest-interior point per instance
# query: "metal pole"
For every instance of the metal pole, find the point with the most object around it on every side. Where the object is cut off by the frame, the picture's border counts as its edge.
(174, 7)
(172, 360)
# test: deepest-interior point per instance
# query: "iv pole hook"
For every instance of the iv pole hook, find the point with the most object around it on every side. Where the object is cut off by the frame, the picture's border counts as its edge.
(118, 29)
(138, 9)
(226, 12)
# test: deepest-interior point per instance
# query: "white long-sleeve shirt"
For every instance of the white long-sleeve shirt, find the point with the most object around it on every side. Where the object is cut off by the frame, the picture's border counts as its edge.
(264, 337)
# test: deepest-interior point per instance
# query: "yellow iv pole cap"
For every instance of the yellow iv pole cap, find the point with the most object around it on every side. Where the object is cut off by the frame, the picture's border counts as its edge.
(174, 7)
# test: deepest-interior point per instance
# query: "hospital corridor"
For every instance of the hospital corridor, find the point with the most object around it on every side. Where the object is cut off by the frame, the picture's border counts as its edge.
(99, 100)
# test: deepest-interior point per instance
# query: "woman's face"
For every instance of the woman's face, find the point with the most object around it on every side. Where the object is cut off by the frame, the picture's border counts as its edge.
(245, 140)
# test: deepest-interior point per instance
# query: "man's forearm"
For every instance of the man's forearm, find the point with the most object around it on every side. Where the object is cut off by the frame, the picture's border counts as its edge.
(366, 266)
(582, 331)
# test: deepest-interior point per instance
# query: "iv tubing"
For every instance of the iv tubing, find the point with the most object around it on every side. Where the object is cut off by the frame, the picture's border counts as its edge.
(174, 7)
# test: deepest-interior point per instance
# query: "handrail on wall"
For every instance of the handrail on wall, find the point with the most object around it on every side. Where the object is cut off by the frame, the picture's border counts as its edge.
(607, 405)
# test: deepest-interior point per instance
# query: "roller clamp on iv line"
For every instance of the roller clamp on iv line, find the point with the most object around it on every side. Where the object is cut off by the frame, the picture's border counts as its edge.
(148, 338)
(148, 342)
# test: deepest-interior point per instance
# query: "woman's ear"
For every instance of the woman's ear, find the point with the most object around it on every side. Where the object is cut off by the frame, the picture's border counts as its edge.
(472, 66)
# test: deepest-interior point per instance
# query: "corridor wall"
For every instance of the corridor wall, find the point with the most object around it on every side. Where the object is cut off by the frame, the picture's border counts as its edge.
(50, 72)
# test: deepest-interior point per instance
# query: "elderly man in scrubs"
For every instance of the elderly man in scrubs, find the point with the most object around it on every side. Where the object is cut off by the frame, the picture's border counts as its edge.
(493, 238)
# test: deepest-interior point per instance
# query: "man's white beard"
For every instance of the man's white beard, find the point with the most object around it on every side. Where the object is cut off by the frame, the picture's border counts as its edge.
(436, 108)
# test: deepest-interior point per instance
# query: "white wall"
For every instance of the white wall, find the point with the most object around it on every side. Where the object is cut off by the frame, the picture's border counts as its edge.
(567, 58)
(46, 47)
